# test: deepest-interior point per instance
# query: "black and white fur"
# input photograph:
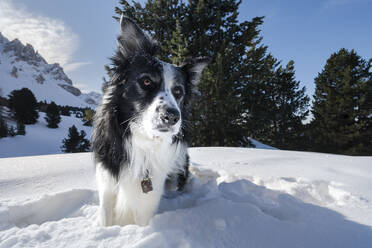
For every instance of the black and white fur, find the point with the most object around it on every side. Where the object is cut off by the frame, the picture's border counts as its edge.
(140, 128)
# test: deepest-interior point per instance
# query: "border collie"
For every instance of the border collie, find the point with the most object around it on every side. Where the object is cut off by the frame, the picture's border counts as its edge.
(140, 129)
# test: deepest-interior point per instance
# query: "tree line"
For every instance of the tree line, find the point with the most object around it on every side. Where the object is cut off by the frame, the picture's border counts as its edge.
(247, 92)
(23, 108)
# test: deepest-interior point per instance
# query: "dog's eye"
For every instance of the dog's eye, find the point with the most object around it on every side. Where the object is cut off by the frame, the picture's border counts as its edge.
(177, 91)
(147, 82)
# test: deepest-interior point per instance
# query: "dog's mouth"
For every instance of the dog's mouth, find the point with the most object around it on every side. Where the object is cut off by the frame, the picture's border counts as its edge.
(164, 130)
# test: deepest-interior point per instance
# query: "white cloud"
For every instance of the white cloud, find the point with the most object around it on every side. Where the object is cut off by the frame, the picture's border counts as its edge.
(50, 37)
(74, 66)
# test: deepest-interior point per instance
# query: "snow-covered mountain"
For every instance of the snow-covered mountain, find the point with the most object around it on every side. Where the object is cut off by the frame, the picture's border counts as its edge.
(21, 66)
(238, 197)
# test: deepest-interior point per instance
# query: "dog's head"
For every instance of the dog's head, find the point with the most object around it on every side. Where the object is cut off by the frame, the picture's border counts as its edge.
(153, 93)
(145, 96)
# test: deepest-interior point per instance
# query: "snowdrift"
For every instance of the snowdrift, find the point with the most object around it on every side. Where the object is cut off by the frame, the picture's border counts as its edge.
(236, 198)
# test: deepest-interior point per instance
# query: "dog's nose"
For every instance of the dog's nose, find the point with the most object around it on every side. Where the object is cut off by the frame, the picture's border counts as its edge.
(170, 116)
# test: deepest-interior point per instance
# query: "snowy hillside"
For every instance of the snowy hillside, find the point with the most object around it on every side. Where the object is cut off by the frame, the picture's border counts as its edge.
(39, 139)
(21, 66)
(237, 198)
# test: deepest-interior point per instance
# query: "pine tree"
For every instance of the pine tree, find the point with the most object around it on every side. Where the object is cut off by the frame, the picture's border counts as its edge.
(253, 88)
(341, 109)
(53, 116)
(21, 129)
(289, 108)
(76, 142)
(274, 104)
(3, 124)
(23, 106)
(217, 32)
(178, 49)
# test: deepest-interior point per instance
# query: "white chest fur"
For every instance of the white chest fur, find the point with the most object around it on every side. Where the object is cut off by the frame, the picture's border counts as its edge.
(156, 156)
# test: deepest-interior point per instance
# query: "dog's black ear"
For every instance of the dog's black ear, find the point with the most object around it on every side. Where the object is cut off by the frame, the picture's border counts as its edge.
(194, 68)
(132, 39)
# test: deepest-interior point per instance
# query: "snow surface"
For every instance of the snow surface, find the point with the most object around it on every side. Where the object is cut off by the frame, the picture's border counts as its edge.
(236, 198)
(39, 139)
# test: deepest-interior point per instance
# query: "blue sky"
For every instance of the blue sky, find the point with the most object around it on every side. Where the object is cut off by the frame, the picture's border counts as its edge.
(81, 34)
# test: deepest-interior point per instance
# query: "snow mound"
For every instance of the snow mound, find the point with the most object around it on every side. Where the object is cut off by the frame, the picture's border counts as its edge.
(51, 201)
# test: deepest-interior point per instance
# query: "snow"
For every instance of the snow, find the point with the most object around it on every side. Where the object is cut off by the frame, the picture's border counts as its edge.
(39, 139)
(237, 197)
(28, 72)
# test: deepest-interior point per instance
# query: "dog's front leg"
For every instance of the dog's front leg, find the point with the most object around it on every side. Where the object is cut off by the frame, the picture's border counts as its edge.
(146, 204)
(106, 209)
(107, 197)
(146, 208)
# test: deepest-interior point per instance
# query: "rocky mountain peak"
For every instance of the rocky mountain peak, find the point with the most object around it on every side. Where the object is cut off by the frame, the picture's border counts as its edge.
(23, 53)
(17, 55)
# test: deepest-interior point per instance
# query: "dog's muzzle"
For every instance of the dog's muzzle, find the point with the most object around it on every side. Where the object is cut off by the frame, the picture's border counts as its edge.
(168, 118)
